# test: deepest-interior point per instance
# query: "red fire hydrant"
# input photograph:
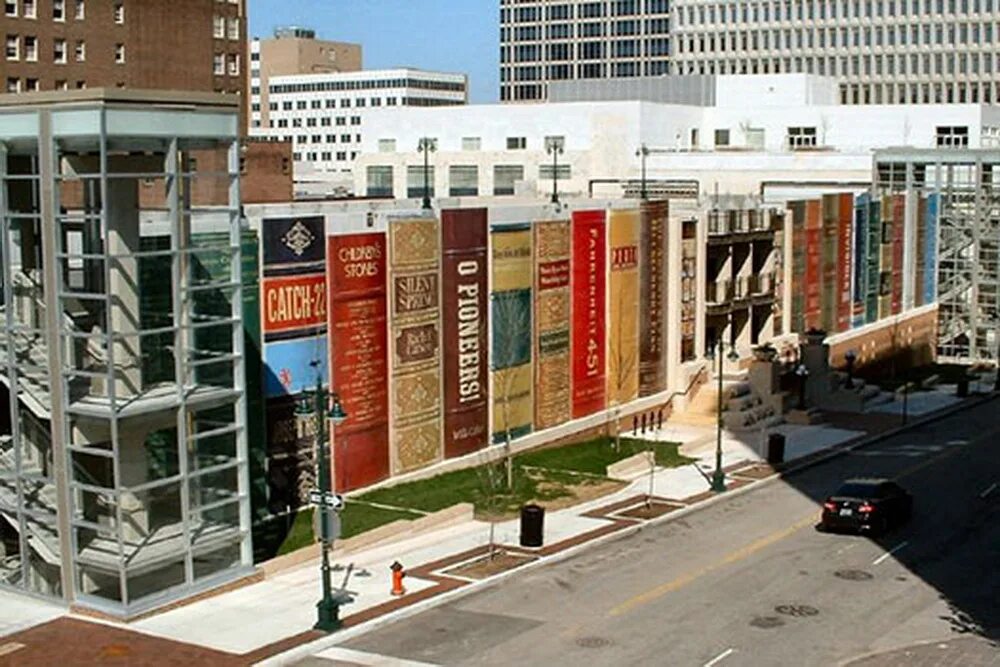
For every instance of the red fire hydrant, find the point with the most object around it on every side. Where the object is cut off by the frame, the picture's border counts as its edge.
(397, 578)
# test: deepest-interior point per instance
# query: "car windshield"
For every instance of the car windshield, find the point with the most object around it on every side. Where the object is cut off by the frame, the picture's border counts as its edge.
(857, 490)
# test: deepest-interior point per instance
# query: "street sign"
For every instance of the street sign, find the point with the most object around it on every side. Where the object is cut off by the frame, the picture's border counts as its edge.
(326, 526)
(333, 501)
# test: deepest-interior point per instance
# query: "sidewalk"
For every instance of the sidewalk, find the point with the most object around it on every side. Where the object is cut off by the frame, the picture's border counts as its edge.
(266, 619)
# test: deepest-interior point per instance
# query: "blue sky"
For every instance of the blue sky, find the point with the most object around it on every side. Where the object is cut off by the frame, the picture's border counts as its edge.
(450, 35)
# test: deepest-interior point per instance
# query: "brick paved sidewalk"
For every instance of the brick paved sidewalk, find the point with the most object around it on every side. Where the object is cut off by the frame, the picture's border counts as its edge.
(963, 652)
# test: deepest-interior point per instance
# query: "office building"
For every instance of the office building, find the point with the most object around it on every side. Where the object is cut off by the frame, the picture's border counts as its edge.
(123, 443)
(324, 116)
(293, 50)
(881, 52)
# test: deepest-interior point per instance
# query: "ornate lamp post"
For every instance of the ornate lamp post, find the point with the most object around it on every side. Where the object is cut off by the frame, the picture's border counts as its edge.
(850, 357)
(718, 476)
(802, 372)
(642, 154)
(427, 145)
(555, 146)
(318, 405)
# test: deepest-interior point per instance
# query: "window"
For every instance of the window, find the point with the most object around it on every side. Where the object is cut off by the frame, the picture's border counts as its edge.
(10, 7)
(13, 49)
(415, 181)
(218, 27)
(119, 13)
(516, 143)
(801, 137)
(341, 120)
(234, 64)
(59, 50)
(471, 143)
(29, 9)
(355, 120)
(233, 29)
(81, 10)
(463, 180)
(81, 51)
(952, 137)
(218, 64)
(386, 145)
(31, 48)
(379, 181)
(58, 10)
(722, 137)
(505, 176)
(31, 85)
(562, 172)
(13, 85)
(62, 84)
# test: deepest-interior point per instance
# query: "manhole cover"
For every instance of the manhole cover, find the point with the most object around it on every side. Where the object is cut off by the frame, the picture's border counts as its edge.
(766, 622)
(797, 610)
(853, 575)
(593, 642)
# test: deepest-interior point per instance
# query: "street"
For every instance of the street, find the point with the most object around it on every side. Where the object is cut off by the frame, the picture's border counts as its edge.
(748, 581)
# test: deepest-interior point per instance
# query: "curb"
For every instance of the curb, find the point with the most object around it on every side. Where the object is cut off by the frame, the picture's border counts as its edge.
(912, 645)
(300, 652)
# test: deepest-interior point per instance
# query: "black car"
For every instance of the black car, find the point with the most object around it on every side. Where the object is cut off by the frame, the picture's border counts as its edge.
(866, 505)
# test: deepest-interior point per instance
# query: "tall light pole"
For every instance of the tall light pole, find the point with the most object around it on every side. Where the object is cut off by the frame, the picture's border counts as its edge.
(328, 608)
(555, 146)
(427, 145)
(642, 154)
(718, 476)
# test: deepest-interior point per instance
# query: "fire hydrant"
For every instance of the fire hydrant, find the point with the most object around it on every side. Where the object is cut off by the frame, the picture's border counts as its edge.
(397, 578)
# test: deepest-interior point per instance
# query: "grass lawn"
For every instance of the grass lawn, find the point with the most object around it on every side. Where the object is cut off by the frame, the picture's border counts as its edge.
(355, 519)
(594, 456)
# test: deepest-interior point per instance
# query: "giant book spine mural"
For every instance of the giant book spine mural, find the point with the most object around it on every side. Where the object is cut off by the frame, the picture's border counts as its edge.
(552, 311)
(930, 248)
(623, 329)
(873, 282)
(859, 280)
(415, 343)
(844, 261)
(357, 276)
(465, 326)
(898, 246)
(589, 327)
(813, 250)
(513, 407)
(652, 298)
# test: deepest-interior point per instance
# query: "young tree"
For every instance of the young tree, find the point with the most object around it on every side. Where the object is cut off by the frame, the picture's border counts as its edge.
(511, 349)
(623, 360)
(494, 492)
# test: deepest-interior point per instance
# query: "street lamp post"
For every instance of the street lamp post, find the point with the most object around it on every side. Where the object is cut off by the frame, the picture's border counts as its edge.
(555, 146)
(718, 476)
(850, 356)
(802, 372)
(642, 154)
(427, 145)
(328, 608)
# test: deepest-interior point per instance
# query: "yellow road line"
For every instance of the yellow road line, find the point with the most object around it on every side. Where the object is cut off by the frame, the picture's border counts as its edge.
(736, 556)
(766, 541)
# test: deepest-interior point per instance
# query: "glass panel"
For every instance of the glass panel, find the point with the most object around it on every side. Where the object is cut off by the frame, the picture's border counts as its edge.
(167, 574)
(43, 571)
(96, 507)
(219, 559)
(162, 456)
(151, 524)
(212, 487)
(98, 564)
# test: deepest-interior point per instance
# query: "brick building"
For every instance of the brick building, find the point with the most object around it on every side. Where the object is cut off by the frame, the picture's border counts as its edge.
(149, 44)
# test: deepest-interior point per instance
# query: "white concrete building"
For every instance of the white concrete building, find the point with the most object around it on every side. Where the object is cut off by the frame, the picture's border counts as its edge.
(880, 51)
(324, 115)
(754, 131)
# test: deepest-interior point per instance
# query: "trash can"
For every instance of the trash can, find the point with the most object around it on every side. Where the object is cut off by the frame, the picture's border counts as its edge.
(962, 390)
(775, 448)
(532, 525)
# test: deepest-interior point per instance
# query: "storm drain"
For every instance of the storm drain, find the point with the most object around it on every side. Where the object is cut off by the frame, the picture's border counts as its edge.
(853, 575)
(593, 642)
(766, 622)
(796, 610)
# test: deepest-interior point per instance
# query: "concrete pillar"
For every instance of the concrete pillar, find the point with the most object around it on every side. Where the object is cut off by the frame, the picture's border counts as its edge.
(122, 214)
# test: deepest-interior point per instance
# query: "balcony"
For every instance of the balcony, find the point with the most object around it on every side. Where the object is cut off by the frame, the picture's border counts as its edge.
(718, 292)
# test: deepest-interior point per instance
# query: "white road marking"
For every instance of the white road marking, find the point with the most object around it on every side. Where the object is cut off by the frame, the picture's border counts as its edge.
(719, 658)
(368, 659)
(957, 443)
(889, 552)
(842, 550)
(989, 490)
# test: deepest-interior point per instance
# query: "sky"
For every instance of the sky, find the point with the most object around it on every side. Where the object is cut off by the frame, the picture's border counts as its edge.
(450, 35)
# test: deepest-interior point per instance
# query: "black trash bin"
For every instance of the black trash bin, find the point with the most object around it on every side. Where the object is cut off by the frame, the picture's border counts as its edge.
(775, 448)
(532, 525)
(962, 390)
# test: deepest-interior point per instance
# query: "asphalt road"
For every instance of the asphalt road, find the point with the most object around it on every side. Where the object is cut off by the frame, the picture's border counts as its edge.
(749, 581)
